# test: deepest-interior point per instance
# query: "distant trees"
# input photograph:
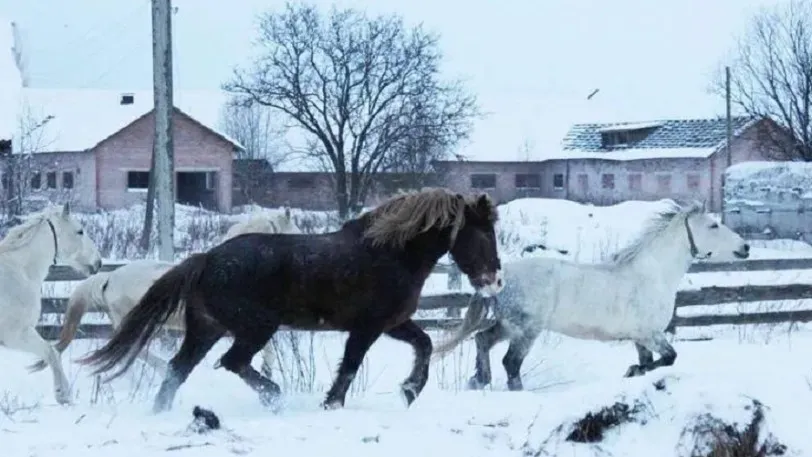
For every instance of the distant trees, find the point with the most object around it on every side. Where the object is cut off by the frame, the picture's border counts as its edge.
(17, 164)
(366, 91)
(772, 75)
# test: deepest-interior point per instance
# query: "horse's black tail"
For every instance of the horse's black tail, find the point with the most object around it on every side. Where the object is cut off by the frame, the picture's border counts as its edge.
(138, 326)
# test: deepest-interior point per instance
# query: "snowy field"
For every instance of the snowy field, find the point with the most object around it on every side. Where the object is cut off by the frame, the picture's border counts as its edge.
(564, 379)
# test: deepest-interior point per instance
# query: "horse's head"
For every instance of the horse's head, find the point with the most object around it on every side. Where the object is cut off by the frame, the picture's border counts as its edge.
(708, 237)
(475, 248)
(73, 247)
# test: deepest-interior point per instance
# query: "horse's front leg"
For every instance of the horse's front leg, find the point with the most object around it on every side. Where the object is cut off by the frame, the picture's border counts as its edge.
(657, 343)
(29, 340)
(410, 333)
(485, 341)
(358, 343)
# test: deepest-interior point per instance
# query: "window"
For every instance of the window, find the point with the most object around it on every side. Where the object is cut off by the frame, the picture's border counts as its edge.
(300, 182)
(36, 180)
(608, 181)
(50, 180)
(137, 180)
(528, 181)
(583, 183)
(664, 183)
(67, 180)
(483, 181)
(211, 177)
(693, 181)
(558, 181)
(635, 181)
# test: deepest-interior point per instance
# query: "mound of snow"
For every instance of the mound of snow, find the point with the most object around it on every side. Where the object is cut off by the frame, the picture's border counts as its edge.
(756, 182)
(663, 415)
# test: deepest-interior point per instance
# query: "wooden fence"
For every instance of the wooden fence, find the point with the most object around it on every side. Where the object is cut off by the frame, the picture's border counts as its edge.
(455, 301)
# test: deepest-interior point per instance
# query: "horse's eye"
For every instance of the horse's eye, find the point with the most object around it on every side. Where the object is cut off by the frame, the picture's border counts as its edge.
(80, 232)
(714, 225)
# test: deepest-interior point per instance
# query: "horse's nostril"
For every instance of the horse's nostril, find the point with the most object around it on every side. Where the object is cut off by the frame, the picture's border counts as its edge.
(746, 247)
(499, 282)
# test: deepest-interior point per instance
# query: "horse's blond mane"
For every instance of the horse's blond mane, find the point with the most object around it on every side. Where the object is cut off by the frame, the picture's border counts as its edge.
(408, 214)
(20, 235)
(658, 224)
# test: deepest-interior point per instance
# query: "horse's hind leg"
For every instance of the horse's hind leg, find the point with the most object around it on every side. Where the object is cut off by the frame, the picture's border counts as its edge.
(644, 356)
(514, 357)
(485, 341)
(198, 340)
(409, 332)
(238, 361)
(657, 343)
(28, 340)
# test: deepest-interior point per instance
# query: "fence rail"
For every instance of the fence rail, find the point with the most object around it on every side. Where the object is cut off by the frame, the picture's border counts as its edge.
(454, 302)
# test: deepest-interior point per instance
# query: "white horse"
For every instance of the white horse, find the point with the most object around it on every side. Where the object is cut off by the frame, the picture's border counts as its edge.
(260, 223)
(115, 293)
(628, 298)
(50, 237)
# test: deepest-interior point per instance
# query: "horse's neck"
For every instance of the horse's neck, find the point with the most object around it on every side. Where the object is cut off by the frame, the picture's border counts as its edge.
(667, 256)
(35, 257)
(425, 250)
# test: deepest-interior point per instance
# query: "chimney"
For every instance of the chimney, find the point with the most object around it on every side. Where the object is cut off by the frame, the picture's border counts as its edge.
(127, 99)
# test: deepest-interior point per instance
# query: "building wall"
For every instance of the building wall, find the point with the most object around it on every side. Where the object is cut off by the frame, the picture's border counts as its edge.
(505, 186)
(195, 149)
(82, 165)
(648, 179)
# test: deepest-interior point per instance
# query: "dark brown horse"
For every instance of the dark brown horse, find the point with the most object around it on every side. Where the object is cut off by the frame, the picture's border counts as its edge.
(365, 279)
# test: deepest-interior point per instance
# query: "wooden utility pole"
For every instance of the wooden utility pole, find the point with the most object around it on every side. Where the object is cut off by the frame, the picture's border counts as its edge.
(729, 138)
(164, 168)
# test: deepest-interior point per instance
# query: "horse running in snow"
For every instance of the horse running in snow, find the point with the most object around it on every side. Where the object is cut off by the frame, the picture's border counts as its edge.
(50, 237)
(117, 292)
(630, 297)
(365, 279)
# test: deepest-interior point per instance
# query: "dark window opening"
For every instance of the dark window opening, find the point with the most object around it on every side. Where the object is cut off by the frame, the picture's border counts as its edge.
(137, 179)
(67, 180)
(483, 181)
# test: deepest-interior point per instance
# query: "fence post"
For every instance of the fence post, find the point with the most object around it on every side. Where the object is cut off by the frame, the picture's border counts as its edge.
(454, 283)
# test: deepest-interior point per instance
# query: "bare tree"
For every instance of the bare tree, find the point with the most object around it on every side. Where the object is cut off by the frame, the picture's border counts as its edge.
(18, 166)
(257, 129)
(360, 87)
(771, 76)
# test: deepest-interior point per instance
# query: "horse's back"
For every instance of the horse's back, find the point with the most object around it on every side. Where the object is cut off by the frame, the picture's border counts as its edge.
(303, 280)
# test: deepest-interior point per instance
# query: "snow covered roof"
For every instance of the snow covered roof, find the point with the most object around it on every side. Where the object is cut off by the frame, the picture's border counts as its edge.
(79, 119)
(10, 81)
(670, 138)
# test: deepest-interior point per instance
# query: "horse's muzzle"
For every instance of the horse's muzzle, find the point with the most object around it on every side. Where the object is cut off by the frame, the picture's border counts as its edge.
(743, 253)
(95, 267)
(489, 284)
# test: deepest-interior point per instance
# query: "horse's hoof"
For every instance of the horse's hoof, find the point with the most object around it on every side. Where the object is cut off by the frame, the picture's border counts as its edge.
(515, 385)
(408, 392)
(269, 398)
(63, 397)
(475, 384)
(330, 405)
(635, 370)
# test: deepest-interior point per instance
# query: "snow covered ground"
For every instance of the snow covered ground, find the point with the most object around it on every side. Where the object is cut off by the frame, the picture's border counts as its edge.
(564, 380)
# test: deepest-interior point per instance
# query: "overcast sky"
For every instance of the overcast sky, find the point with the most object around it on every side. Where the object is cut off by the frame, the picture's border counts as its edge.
(531, 63)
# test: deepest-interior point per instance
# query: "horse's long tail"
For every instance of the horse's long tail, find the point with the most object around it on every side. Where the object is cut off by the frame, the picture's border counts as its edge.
(161, 300)
(84, 299)
(473, 321)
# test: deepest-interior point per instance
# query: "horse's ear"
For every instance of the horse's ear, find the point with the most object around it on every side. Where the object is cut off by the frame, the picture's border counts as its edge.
(66, 209)
(485, 206)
